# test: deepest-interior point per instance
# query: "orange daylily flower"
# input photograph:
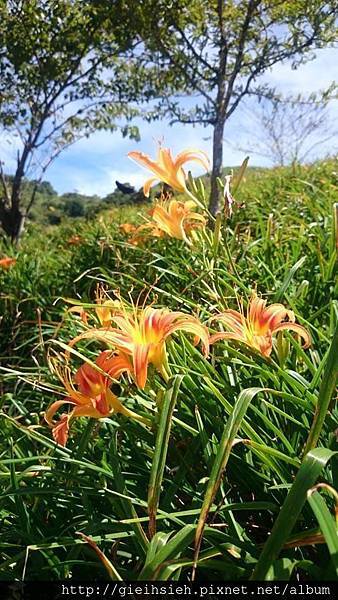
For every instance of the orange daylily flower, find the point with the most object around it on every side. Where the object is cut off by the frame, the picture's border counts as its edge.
(141, 333)
(104, 308)
(79, 310)
(144, 231)
(128, 227)
(258, 326)
(168, 169)
(75, 240)
(89, 393)
(177, 219)
(138, 233)
(7, 262)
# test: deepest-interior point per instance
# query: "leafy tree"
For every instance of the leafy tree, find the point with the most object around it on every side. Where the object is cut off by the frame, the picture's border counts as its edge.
(46, 188)
(74, 208)
(66, 69)
(215, 51)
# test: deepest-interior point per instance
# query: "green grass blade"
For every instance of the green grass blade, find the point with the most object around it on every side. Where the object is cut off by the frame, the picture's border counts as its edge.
(288, 278)
(161, 449)
(172, 549)
(231, 428)
(307, 475)
(239, 175)
(326, 392)
(21, 507)
(159, 540)
(327, 525)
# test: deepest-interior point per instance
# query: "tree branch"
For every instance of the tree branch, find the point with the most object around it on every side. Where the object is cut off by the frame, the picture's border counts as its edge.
(4, 185)
(197, 56)
(252, 5)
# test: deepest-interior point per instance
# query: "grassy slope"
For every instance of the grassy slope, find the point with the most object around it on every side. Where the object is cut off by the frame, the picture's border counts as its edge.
(281, 241)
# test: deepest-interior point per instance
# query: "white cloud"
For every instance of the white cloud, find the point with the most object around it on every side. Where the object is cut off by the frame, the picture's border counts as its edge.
(312, 76)
(104, 182)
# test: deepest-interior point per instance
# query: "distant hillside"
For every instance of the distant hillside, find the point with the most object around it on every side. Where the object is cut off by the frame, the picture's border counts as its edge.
(51, 208)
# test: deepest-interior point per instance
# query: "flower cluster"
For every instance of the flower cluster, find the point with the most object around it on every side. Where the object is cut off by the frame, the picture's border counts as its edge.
(75, 240)
(135, 337)
(258, 326)
(174, 218)
(168, 217)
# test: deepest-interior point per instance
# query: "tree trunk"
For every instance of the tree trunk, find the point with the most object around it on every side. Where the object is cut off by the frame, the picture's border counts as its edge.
(12, 221)
(217, 165)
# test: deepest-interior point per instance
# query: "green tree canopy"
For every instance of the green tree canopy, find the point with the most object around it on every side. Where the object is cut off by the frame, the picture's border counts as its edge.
(66, 69)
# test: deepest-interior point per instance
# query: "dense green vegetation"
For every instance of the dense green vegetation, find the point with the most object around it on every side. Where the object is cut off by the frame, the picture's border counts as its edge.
(51, 208)
(282, 241)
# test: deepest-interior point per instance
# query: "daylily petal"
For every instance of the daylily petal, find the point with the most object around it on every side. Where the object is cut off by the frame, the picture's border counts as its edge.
(232, 319)
(93, 398)
(197, 329)
(298, 329)
(128, 227)
(7, 262)
(101, 404)
(49, 414)
(148, 184)
(61, 429)
(148, 163)
(263, 343)
(88, 410)
(174, 218)
(140, 361)
(225, 335)
(168, 169)
(192, 155)
(165, 160)
(275, 314)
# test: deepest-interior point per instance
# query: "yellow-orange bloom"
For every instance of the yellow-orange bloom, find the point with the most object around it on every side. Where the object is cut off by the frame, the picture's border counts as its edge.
(258, 326)
(103, 309)
(89, 394)
(79, 310)
(75, 240)
(177, 219)
(7, 262)
(128, 227)
(169, 169)
(144, 232)
(141, 333)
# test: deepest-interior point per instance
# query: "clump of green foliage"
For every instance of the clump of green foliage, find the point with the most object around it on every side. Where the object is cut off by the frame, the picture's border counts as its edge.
(51, 208)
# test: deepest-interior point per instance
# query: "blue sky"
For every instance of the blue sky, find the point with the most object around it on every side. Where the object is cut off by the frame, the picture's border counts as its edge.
(92, 165)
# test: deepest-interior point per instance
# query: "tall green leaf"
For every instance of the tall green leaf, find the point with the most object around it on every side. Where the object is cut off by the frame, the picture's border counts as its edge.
(327, 525)
(161, 449)
(231, 428)
(288, 278)
(172, 549)
(307, 475)
(326, 392)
